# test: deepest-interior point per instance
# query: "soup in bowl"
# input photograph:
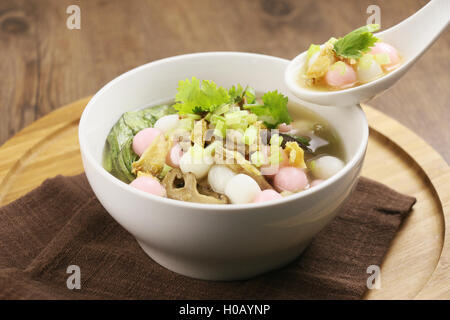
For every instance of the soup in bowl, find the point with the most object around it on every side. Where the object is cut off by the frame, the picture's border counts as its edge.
(233, 234)
(223, 146)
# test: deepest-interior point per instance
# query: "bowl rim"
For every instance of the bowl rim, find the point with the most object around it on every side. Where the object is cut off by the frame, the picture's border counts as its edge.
(87, 156)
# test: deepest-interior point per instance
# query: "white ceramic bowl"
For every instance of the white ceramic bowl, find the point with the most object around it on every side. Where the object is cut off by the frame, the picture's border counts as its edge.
(214, 242)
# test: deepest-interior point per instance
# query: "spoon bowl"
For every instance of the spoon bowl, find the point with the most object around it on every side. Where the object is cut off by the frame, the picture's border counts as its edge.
(412, 37)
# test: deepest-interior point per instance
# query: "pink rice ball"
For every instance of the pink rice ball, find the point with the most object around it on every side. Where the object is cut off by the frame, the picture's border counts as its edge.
(144, 138)
(149, 185)
(290, 179)
(269, 170)
(174, 156)
(340, 75)
(285, 127)
(383, 47)
(267, 195)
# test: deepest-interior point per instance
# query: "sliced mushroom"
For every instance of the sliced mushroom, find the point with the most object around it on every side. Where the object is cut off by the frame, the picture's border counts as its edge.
(184, 187)
(204, 188)
(153, 159)
(237, 162)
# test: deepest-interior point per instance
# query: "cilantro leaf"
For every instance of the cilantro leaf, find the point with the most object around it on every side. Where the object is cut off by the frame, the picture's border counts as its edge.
(250, 95)
(274, 110)
(238, 93)
(196, 97)
(235, 93)
(357, 42)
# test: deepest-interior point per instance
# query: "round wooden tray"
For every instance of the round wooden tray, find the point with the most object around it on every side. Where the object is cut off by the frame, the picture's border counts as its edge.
(417, 264)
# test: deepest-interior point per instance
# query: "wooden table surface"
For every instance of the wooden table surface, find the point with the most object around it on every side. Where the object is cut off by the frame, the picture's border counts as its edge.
(44, 65)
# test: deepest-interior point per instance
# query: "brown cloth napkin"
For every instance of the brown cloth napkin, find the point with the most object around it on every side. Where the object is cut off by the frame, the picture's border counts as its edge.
(61, 223)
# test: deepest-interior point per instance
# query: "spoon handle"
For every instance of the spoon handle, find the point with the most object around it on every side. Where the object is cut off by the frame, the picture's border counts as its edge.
(423, 28)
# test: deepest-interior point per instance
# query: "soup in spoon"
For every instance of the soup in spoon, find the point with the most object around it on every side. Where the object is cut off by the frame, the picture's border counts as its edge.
(355, 59)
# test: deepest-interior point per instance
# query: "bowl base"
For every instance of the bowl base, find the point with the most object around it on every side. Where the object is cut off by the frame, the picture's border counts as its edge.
(221, 270)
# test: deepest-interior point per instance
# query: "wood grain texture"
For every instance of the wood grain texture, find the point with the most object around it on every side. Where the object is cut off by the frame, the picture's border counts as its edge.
(417, 263)
(420, 231)
(45, 65)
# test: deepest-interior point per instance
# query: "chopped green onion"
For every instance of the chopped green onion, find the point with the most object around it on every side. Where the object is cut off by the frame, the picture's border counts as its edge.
(250, 135)
(233, 118)
(208, 117)
(275, 155)
(193, 116)
(212, 147)
(220, 129)
(222, 109)
(165, 170)
(258, 159)
(241, 126)
(382, 58)
(215, 118)
(365, 62)
(243, 113)
(234, 108)
(252, 118)
(186, 124)
(276, 140)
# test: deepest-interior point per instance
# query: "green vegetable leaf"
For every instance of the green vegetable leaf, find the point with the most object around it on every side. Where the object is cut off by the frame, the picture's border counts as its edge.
(118, 154)
(274, 110)
(313, 49)
(193, 97)
(303, 140)
(357, 42)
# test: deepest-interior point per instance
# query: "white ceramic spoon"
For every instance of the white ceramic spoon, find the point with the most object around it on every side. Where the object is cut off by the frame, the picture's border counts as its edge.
(412, 37)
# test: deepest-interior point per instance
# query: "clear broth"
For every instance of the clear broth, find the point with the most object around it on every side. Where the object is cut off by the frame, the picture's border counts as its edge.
(324, 139)
(321, 85)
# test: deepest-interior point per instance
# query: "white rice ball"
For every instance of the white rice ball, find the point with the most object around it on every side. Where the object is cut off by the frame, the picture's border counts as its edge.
(326, 166)
(199, 166)
(218, 177)
(242, 189)
(167, 123)
(368, 69)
